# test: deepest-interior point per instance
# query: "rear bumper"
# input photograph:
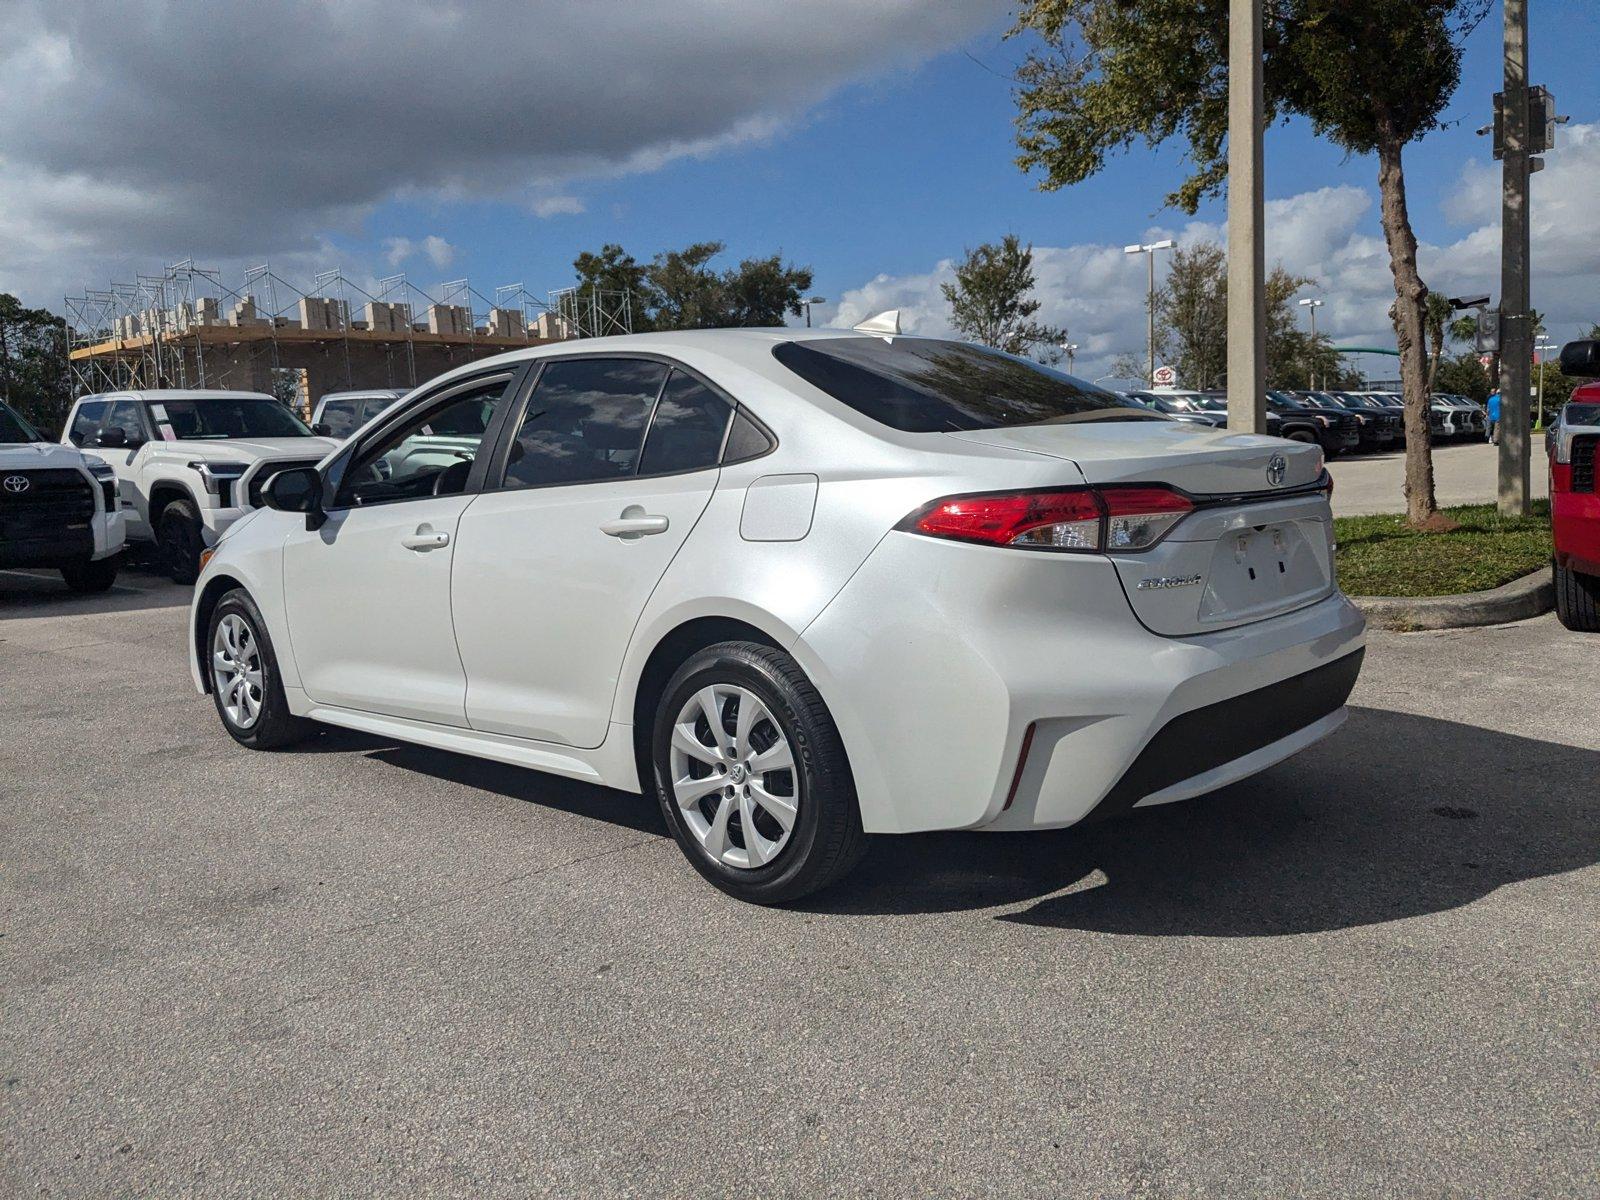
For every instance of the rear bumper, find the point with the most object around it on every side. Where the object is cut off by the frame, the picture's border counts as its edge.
(937, 688)
(1575, 526)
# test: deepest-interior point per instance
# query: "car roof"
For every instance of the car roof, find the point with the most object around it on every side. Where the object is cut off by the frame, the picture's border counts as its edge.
(161, 394)
(375, 393)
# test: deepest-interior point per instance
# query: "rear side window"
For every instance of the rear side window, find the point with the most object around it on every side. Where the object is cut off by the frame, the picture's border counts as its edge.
(923, 385)
(86, 420)
(687, 430)
(585, 422)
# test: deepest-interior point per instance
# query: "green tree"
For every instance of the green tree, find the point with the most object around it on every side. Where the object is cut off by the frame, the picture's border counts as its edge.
(991, 300)
(1436, 320)
(1463, 375)
(1371, 76)
(686, 292)
(1192, 314)
(762, 291)
(680, 289)
(33, 363)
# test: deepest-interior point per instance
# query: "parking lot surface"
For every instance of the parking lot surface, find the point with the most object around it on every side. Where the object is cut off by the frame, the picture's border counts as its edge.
(362, 968)
(1463, 473)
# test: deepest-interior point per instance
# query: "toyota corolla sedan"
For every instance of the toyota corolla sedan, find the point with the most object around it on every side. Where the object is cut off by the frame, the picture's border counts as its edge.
(805, 587)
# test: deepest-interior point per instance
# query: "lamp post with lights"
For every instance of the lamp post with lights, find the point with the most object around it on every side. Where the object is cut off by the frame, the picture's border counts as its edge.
(1313, 304)
(1149, 250)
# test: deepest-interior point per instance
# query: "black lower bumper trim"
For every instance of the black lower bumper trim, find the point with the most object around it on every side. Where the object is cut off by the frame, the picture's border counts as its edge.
(1195, 742)
(59, 548)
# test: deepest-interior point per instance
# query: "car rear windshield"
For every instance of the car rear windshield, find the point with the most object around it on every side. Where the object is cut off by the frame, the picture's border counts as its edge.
(14, 429)
(228, 418)
(923, 385)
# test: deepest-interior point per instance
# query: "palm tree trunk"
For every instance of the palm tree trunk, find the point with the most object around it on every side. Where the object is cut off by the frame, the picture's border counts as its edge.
(1410, 300)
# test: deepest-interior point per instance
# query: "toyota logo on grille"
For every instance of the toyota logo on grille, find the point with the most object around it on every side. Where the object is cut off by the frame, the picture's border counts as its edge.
(16, 484)
(1277, 470)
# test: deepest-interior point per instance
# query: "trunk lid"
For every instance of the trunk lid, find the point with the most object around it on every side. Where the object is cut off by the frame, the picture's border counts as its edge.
(1252, 549)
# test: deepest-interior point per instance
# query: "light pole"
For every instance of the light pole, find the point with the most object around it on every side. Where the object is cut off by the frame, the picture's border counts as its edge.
(1541, 348)
(1313, 304)
(1150, 304)
(1071, 350)
(807, 303)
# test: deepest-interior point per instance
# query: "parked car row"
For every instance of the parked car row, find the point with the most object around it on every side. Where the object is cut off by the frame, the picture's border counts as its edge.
(1338, 421)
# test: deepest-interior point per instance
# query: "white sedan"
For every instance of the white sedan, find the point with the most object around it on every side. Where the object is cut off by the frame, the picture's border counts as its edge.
(805, 586)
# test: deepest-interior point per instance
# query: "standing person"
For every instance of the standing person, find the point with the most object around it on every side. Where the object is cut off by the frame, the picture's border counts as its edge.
(1494, 417)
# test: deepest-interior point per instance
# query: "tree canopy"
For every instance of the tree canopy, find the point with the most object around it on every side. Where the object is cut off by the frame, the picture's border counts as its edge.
(991, 300)
(679, 289)
(33, 363)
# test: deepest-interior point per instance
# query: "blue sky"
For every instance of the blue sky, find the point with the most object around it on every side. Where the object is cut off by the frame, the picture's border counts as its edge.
(872, 142)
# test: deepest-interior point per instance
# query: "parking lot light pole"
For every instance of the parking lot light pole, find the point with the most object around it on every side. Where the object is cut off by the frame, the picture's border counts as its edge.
(807, 303)
(1247, 256)
(1516, 349)
(1313, 304)
(1071, 351)
(1150, 302)
(1541, 348)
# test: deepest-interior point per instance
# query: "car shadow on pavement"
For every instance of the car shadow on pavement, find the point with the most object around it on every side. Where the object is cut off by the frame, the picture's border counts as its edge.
(1395, 816)
(26, 592)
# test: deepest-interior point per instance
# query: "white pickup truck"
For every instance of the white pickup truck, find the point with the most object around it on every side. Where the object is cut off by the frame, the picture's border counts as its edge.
(58, 508)
(190, 463)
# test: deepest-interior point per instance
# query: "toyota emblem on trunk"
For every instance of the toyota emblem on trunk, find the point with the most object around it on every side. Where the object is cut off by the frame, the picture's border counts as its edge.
(1277, 470)
(16, 484)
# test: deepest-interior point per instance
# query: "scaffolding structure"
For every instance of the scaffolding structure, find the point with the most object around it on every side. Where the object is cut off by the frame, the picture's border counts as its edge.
(188, 328)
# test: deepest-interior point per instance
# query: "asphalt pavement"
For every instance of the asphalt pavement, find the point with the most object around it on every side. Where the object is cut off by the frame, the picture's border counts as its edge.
(361, 968)
(1463, 473)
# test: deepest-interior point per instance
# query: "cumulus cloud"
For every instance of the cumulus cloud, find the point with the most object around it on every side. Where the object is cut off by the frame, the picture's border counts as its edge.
(1330, 235)
(148, 130)
(557, 206)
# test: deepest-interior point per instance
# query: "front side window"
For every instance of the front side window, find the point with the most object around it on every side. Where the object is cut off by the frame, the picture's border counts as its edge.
(585, 422)
(86, 420)
(924, 385)
(126, 416)
(14, 429)
(340, 417)
(244, 417)
(431, 454)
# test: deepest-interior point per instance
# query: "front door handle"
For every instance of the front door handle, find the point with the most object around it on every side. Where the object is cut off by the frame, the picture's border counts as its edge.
(425, 538)
(634, 523)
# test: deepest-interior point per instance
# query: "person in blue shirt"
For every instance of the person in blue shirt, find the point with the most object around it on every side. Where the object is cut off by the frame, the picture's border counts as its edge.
(1494, 416)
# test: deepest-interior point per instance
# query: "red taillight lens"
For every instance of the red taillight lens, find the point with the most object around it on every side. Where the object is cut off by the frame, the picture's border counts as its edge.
(1087, 520)
(1063, 520)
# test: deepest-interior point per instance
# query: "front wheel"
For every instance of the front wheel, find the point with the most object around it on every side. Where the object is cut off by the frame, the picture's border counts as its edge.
(179, 541)
(91, 575)
(752, 777)
(245, 683)
(1577, 600)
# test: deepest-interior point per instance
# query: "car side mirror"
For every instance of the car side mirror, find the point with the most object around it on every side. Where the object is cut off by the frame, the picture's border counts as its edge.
(1581, 360)
(114, 439)
(322, 429)
(297, 490)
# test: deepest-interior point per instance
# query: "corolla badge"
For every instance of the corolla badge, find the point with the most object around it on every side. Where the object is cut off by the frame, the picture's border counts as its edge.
(16, 484)
(1168, 581)
(1277, 470)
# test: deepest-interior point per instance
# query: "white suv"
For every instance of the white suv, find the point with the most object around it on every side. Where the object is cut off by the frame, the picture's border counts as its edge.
(190, 463)
(57, 508)
(802, 585)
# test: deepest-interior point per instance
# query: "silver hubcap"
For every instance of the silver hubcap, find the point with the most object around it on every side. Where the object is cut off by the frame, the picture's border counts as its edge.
(733, 776)
(236, 671)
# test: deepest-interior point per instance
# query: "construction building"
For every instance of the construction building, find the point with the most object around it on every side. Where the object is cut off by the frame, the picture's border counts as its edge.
(185, 328)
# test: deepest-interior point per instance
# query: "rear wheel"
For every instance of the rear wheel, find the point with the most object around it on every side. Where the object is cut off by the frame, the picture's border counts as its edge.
(752, 777)
(1577, 600)
(95, 575)
(244, 677)
(179, 541)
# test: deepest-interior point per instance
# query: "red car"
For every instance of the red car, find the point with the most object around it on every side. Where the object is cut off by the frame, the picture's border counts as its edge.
(1574, 504)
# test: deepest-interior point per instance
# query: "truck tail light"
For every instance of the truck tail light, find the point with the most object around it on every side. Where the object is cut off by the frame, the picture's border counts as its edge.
(1084, 520)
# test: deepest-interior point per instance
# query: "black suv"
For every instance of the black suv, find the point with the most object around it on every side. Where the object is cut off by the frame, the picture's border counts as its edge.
(1331, 428)
(1379, 429)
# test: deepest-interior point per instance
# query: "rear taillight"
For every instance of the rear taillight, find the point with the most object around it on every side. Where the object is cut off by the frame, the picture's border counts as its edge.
(1083, 520)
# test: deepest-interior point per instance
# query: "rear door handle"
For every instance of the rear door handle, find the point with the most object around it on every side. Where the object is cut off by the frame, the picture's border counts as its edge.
(425, 538)
(634, 523)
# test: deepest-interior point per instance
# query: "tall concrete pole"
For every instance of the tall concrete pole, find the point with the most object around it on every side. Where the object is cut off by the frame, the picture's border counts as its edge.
(1247, 257)
(1515, 326)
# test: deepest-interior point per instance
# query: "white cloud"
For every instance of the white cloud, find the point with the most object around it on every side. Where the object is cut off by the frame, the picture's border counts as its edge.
(557, 206)
(145, 134)
(1329, 234)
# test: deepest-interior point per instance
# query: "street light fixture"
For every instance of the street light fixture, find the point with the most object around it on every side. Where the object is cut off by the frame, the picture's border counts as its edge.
(1150, 304)
(807, 303)
(1071, 350)
(1313, 304)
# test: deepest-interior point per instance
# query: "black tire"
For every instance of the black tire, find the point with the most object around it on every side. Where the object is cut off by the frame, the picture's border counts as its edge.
(179, 541)
(90, 576)
(826, 840)
(1577, 600)
(274, 725)
(1302, 435)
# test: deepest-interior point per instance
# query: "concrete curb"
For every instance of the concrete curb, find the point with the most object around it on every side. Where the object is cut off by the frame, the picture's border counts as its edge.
(1515, 601)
